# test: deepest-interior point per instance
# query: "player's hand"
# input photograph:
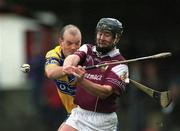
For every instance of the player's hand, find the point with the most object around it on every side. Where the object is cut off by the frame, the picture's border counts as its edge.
(69, 70)
(72, 70)
(79, 72)
(76, 71)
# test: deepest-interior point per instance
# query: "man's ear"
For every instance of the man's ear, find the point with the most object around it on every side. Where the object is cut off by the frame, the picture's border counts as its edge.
(60, 40)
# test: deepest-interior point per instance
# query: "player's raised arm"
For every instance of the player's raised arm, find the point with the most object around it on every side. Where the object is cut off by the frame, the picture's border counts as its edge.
(54, 71)
(71, 60)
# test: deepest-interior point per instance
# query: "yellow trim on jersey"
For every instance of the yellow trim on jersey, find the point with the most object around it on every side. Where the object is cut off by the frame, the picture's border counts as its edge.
(64, 84)
(55, 53)
(67, 101)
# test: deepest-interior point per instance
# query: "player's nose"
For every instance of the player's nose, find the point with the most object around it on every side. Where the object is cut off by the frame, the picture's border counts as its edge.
(74, 47)
(102, 36)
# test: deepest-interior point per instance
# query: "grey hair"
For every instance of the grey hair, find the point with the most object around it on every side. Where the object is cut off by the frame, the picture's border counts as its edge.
(74, 30)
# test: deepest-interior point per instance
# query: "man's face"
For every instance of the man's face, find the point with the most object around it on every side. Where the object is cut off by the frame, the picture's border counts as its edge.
(70, 43)
(104, 41)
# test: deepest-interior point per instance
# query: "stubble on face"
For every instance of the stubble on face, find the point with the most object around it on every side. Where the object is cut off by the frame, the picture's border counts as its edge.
(104, 42)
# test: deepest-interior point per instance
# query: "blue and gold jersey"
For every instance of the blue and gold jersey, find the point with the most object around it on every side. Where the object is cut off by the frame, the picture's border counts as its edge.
(66, 84)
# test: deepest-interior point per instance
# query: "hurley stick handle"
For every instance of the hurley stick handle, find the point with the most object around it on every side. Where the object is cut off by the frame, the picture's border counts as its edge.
(160, 55)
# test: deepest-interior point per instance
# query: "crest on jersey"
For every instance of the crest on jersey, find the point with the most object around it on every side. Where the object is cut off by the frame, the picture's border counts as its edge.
(122, 71)
(124, 76)
(52, 61)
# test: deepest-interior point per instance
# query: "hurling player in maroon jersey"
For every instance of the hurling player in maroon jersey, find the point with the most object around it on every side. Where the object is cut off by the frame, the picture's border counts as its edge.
(97, 89)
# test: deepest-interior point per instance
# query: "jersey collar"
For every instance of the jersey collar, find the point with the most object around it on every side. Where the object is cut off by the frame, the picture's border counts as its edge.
(111, 54)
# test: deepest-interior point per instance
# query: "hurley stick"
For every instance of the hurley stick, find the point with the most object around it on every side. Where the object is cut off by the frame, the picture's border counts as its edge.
(164, 98)
(160, 55)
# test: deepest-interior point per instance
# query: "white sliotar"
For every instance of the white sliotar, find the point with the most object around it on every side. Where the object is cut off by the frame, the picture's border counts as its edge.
(25, 68)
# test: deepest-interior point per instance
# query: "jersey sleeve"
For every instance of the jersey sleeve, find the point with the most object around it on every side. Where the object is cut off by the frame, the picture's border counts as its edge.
(52, 58)
(118, 78)
(82, 52)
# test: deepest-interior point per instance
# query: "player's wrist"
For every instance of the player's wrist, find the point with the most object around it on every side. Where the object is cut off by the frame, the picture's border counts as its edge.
(80, 79)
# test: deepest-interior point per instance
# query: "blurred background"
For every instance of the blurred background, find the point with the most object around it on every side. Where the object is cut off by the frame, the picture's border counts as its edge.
(28, 29)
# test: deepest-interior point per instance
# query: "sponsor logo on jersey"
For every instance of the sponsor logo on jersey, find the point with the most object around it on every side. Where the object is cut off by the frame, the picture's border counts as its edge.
(93, 76)
(65, 87)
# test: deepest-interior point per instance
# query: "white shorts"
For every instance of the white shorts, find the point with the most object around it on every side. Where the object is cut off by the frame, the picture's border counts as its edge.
(84, 120)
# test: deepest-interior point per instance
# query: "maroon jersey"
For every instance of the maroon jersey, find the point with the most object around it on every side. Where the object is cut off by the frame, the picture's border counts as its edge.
(114, 75)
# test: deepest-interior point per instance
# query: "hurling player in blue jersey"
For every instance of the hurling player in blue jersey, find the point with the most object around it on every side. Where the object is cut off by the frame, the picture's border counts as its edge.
(69, 42)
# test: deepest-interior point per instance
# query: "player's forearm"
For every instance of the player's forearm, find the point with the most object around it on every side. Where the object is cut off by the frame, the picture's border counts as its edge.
(54, 72)
(101, 91)
(71, 60)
